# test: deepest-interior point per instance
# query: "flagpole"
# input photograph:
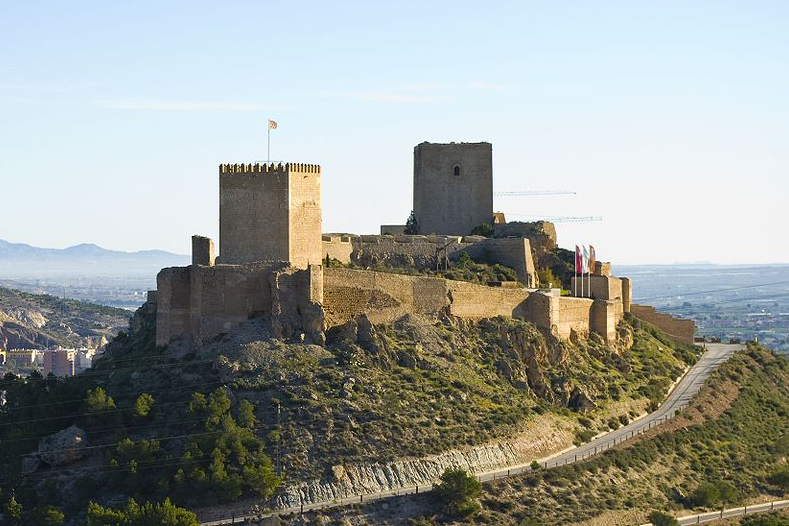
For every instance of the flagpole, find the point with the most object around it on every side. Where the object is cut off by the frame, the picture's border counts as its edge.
(268, 143)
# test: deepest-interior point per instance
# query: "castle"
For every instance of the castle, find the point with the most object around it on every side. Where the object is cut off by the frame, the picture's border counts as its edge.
(272, 253)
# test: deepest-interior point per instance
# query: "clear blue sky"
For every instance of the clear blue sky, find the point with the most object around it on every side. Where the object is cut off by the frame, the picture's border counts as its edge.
(670, 119)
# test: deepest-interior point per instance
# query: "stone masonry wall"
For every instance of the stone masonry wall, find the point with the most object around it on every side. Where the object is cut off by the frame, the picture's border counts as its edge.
(203, 251)
(445, 203)
(305, 219)
(270, 213)
(515, 253)
(253, 214)
(598, 287)
(337, 247)
(201, 302)
(385, 297)
(681, 329)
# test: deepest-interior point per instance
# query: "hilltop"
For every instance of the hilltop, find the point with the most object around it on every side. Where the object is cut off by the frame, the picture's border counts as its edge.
(36, 321)
(378, 404)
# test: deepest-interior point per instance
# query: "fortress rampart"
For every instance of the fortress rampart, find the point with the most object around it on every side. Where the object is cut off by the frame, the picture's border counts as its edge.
(385, 297)
(201, 302)
(424, 252)
(681, 329)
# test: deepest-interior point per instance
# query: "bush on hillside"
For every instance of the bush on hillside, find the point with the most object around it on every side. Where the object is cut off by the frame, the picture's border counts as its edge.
(458, 491)
(164, 513)
(659, 518)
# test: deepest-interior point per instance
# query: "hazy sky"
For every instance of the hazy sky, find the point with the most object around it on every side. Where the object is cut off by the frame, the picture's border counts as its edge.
(670, 119)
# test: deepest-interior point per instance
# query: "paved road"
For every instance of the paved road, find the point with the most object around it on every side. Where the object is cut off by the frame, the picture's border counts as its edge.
(733, 512)
(679, 398)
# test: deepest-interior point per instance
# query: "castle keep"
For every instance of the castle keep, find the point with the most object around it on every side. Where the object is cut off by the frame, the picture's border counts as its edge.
(272, 253)
(453, 187)
(270, 213)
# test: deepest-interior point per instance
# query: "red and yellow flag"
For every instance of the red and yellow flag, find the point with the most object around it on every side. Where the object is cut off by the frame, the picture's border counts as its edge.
(272, 125)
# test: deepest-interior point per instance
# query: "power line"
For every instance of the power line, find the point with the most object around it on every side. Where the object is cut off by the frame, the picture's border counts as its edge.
(521, 193)
(116, 396)
(712, 291)
(110, 371)
(96, 413)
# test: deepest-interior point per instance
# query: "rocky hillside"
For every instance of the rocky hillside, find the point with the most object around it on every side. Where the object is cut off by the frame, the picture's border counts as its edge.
(377, 406)
(730, 446)
(33, 321)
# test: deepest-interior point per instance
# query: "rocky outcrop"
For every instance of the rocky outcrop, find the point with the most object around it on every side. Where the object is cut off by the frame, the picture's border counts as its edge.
(580, 401)
(30, 464)
(64, 447)
(346, 481)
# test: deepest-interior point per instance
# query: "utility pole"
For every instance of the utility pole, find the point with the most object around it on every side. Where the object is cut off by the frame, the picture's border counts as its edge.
(279, 439)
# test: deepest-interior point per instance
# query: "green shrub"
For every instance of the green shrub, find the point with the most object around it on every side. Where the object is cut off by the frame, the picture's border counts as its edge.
(659, 518)
(780, 479)
(164, 513)
(48, 516)
(706, 495)
(485, 229)
(457, 492)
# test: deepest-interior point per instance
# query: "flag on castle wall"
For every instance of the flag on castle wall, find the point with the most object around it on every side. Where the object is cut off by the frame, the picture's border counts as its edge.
(579, 264)
(585, 260)
(272, 125)
(592, 258)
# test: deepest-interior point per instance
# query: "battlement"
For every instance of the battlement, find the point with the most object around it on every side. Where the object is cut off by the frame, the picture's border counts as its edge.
(269, 167)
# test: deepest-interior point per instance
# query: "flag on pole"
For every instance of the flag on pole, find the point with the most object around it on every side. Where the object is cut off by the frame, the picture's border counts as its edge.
(584, 260)
(592, 258)
(272, 125)
(579, 265)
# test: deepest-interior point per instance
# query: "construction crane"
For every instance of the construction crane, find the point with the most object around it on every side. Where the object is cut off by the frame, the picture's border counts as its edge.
(522, 193)
(559, 219)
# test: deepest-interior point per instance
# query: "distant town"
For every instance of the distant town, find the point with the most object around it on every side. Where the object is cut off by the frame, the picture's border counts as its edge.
(58, 362)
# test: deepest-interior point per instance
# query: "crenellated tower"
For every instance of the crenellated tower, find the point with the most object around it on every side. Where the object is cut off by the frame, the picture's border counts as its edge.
(270, 212)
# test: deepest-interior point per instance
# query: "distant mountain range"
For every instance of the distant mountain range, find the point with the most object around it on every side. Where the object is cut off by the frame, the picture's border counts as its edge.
(22, 260)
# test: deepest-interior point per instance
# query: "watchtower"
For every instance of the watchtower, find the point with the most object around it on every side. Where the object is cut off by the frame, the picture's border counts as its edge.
(453, 187)
(270, 212)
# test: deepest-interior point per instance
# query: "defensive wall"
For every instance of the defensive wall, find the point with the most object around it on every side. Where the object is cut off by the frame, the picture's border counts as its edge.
(601, 285)
(200, 302)
(424, 252)
(385, 297)
(678, 328)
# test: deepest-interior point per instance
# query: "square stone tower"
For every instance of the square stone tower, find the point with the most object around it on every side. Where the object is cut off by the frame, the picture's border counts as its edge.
(270, 212)
(453, 187)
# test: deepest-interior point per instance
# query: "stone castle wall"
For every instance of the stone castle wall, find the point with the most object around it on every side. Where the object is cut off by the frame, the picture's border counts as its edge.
(386, 297)
(253, 214)
(541, 236)
(201, 302)
(445, 203)
(515, 253)
(598, 287)
(681, 329)
(270, 213)
(337, 247)
(416, 251)
(305, 217)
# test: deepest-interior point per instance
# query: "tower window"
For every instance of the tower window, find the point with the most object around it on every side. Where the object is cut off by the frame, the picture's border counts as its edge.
(456, 170)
